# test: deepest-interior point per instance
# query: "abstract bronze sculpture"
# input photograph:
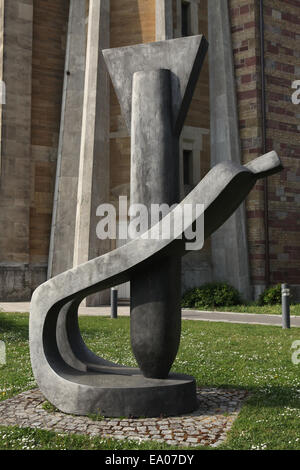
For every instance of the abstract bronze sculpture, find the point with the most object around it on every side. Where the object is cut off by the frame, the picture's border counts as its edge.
(155, 84)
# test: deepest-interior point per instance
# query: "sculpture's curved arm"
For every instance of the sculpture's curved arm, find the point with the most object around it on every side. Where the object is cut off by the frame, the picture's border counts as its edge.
(71, 376)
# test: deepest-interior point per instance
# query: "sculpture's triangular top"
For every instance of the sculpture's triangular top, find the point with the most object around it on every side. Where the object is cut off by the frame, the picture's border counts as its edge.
(183, 56)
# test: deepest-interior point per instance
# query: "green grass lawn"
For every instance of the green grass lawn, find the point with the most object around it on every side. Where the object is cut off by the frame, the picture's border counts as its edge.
(253, 308)
(252, 357)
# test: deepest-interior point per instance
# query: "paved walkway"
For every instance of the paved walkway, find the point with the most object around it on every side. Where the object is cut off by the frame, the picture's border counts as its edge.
(208, 426)
(228, 317)
(232, 317)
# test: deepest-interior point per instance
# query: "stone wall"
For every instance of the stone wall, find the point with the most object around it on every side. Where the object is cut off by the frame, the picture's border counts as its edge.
(15, 278)
(32, 69)
(48, 59)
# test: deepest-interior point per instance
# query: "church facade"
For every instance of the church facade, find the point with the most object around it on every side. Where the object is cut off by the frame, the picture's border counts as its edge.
(65, 148)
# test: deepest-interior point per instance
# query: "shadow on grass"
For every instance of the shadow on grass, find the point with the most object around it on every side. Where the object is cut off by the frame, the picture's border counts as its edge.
(17, 326)
(267, 397)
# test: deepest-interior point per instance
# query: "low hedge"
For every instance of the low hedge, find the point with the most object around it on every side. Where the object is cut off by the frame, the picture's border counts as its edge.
(272, 296)
(211, 295)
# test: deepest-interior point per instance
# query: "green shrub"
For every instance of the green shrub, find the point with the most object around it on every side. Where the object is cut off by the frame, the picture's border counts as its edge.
(211, 295)
(270, 296)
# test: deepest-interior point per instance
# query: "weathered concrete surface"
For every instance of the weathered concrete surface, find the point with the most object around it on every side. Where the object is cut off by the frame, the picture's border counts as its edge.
(93, 181)
(229, 243)
(61, 249)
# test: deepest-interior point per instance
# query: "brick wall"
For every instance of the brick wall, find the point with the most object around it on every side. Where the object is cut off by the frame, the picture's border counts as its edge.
(246, 49)
(282, 19)
(282, 43)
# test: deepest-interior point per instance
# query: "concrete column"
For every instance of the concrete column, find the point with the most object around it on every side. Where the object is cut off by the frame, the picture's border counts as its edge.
(15, 177)
(66, 185)
(155, 291)
(93, 184)
(164, 19)
(229, 243)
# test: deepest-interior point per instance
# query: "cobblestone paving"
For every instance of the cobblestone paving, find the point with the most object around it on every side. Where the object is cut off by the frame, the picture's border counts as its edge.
(208, 426)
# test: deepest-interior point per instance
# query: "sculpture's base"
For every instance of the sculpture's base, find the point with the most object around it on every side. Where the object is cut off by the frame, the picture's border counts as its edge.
(124, 392)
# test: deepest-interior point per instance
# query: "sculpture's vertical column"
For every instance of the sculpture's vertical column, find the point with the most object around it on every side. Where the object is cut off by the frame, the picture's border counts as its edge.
(155, 84)
(155, 292)
(229, 243)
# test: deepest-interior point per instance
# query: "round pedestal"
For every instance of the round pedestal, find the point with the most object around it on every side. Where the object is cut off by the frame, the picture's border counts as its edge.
(125, 392)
